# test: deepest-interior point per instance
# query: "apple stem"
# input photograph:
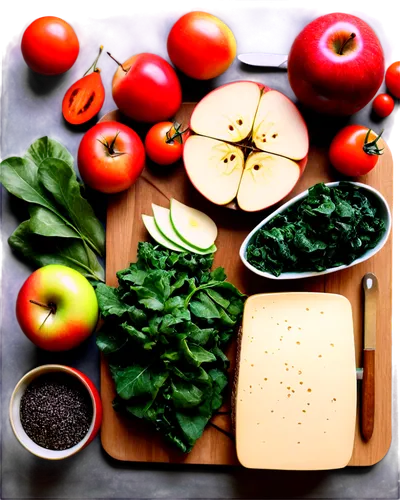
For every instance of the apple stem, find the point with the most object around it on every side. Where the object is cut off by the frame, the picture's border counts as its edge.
(45, 319)
(51, 306)
(119, 64)
(95, 69)
(352, 35)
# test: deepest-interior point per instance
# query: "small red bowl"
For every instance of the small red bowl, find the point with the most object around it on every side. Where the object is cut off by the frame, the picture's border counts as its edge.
(15, 419)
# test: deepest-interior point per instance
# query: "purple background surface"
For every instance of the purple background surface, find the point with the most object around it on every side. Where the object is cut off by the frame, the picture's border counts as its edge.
(31, 108)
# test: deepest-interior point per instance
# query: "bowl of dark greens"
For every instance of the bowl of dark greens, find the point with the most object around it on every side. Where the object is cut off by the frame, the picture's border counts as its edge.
(324, 229)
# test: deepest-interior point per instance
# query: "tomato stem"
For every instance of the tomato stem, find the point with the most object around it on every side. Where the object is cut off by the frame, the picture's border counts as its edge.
(119, 64)
(177, 134)
(372, 148)
(95, 62)
(352, 35)
(110, 147)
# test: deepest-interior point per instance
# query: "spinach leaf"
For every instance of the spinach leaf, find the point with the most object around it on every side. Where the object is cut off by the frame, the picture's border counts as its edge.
(196, 354)
(20, 177)
(58, 178)
(46, 223)
(110, 342)
(137, 381)
(204, 307)
(42, 251)
(165, 328)
(44, 148)
(185, 395)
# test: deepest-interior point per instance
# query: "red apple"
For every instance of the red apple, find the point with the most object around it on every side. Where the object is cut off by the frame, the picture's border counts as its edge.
(146, 88)
(111, 157)
(336, 64)
(57, 308)
(248, 143)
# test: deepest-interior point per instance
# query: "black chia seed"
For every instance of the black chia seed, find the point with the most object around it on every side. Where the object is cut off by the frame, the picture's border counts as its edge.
(56, 411)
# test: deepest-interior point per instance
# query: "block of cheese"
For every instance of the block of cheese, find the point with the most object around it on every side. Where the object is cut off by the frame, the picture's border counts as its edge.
(296, 389)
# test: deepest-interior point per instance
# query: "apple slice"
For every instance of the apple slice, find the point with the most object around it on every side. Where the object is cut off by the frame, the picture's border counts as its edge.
(163, 222)
(151, 227)
(214, 167)
(279, 127)
(266, 179)
(194, 227)
(227, 113)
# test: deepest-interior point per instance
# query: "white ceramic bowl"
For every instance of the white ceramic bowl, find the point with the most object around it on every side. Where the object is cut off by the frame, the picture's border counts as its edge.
(14, 412)
(383, 212)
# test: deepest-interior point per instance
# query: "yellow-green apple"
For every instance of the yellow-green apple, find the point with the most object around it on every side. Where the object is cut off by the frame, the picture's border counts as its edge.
(249, 142)
(146, 88)
(201, 45)
(336, 64)
(57, 308)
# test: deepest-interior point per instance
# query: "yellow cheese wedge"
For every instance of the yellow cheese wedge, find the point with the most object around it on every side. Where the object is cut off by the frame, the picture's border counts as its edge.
(295, 398)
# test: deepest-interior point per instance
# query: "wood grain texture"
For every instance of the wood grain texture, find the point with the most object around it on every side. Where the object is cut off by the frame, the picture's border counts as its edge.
(133, 440)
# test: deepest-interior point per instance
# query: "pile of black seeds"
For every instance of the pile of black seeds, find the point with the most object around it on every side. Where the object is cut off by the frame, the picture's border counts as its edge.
(56, 411)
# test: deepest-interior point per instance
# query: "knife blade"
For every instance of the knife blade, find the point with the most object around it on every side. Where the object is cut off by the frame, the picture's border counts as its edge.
(370, 286)
(263, 59)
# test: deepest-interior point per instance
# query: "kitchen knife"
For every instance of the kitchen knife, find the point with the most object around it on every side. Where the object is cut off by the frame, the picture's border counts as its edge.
(263, 59)
(370, 286)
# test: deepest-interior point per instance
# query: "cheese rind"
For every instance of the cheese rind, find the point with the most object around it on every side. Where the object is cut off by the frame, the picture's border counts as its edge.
(296, 389)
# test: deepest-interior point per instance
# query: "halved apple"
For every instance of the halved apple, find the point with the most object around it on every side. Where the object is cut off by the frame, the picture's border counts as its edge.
(248, 142)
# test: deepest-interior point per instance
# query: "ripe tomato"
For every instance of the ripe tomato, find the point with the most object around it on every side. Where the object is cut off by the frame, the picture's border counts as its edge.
(163, 143)
(84, 99)
(110, 157)
(49, 46)
(383, 105)
(201, 45)
(352, 153)
(392, 79)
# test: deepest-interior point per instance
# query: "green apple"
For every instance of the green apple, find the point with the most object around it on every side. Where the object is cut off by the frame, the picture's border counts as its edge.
(57, 308)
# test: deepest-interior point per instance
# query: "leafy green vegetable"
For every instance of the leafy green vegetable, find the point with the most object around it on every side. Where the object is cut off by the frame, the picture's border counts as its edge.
(164, 330)
(62, 228)
(41, 251)
(331, 227)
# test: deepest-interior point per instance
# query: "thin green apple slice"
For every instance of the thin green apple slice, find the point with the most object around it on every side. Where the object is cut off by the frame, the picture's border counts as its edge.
(279, 127)
(214, 168)
(227, 113)
(266, 179)
(154, 232)
(163, 222)
(194, 227)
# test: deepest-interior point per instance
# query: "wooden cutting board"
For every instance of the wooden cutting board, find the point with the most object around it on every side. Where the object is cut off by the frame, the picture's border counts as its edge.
(133, 440)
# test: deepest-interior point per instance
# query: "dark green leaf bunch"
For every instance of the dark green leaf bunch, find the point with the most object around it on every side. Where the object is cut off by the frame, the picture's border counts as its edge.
(331, 227)
(62, 228)
(164, 334)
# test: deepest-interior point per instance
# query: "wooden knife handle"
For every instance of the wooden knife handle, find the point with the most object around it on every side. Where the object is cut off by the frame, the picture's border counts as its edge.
(368, 395)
